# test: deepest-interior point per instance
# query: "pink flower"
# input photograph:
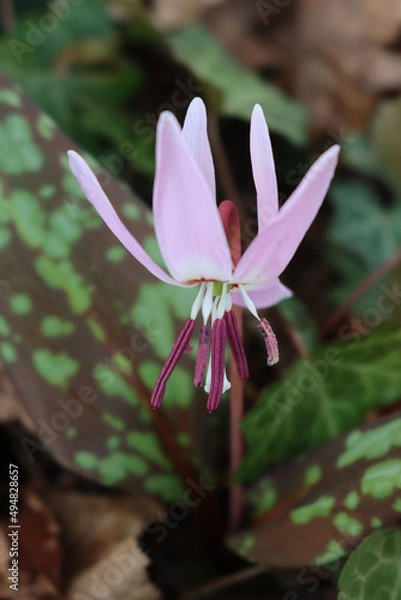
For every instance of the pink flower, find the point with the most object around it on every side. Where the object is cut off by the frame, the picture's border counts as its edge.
(193, 235)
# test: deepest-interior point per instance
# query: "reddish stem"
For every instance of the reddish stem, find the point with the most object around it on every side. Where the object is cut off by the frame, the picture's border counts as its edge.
(7, 14)
(237, 444)
(230, 219)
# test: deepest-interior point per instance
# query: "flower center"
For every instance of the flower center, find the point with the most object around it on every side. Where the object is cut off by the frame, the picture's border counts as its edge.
(219, 325)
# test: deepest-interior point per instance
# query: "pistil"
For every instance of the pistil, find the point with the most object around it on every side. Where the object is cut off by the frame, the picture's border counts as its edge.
(236, 345)
(202, 354)
(219, 333)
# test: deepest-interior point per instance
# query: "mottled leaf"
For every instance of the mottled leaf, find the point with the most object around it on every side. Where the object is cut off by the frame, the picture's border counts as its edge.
(364, 223)
(239, 88)
(324, 395)
(374, 569)
(361, 223)
(318, 507)
(84, 328)
(75, 72)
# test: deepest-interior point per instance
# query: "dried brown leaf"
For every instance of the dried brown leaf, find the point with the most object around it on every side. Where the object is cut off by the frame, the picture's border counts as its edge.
(336, 56)
(103, 556)
(39, 552)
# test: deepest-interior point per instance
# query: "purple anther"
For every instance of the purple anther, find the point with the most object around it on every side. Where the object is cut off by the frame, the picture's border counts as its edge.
(236, 344)
(178, 349)
(202, 354)
(219, 332)
(270, 341)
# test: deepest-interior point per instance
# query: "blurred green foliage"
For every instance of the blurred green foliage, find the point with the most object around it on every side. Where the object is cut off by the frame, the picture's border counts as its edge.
(323, 396)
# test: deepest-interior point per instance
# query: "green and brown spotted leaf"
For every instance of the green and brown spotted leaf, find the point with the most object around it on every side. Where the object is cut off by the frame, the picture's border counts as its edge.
(317, 508)
(84, 329)
(374, 569)
(325, 394)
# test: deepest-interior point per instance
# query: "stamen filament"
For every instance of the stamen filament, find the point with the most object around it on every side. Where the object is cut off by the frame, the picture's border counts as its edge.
(248, 302)
(178, 349)
(217, 364)
(236, 344)
(198, 302)
(207, 302)
(202, 354)
(221, 303)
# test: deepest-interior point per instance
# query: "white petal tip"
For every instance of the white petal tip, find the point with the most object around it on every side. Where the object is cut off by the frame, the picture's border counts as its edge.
(72, 156)
(333, 151)
(327, 161)
(78, 165)
(167, 117)
(197, 103)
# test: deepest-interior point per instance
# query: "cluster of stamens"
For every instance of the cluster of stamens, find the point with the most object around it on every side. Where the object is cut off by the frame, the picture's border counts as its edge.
(215, 304)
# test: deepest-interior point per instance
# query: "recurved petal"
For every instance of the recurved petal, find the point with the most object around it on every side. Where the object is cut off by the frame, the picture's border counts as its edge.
(96, 196)
(270, 252)
(196, 139)
(264, 297)
(187, 223)
(264, 172)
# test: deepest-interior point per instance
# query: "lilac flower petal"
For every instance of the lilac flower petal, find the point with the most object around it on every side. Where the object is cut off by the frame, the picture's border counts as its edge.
(270, 252)
(264, 172)
(187, 223)
(96, 196)
(264, 297)
(195, 136)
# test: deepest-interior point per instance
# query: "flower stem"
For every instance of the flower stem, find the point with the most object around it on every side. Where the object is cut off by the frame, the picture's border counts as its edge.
(7, 14)
(223, 168)
(230, 219)
(236, 441)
